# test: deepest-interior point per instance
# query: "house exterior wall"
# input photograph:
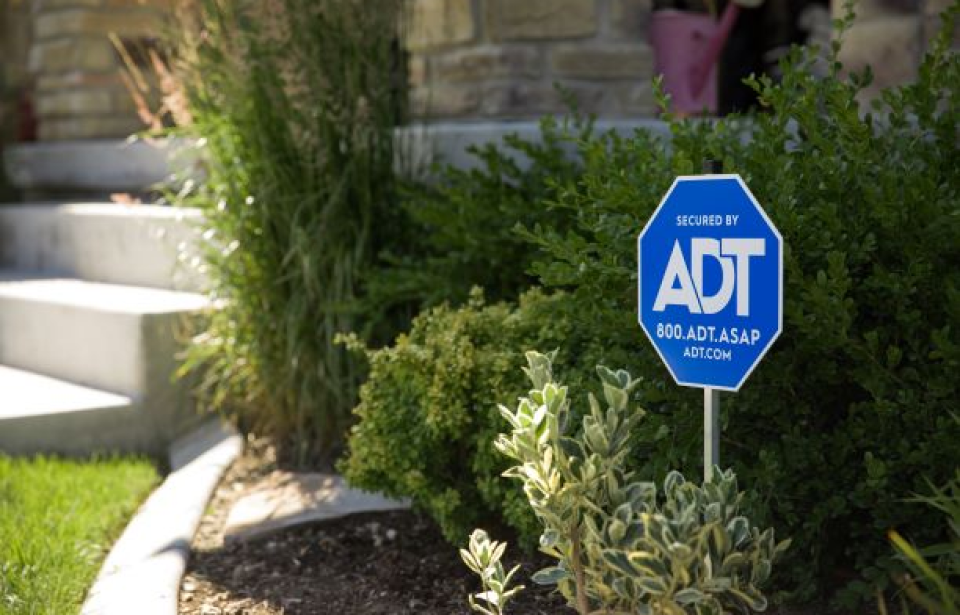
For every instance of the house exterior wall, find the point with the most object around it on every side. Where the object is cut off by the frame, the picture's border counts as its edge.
(76, 71)
(467, 59)
(483, 59)
(891, 36)
(14, 47)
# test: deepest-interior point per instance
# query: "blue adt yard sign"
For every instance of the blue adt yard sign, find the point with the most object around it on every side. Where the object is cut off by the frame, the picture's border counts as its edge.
(711, 281)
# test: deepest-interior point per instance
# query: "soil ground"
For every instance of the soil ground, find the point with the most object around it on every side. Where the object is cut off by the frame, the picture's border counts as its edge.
(372, 564)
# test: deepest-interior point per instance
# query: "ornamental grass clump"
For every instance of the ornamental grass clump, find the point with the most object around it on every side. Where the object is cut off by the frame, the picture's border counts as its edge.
(933, 580)
(295, 101)
(621, 547)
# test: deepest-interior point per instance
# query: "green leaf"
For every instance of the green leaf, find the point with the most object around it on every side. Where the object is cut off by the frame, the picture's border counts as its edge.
(739, 530)
(550, 576)
(615, 397)
(653, 586)
(689, 595)
(672, 482)
(750, 597)
(619, 560)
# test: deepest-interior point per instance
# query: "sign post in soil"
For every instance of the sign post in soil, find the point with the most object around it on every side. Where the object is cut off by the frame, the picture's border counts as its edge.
(711, 288)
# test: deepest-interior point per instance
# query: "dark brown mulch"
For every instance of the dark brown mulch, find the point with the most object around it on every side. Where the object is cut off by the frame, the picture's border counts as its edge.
(371, 564)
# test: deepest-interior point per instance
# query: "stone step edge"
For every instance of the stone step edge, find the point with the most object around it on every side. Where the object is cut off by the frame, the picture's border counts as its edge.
(57, 396)
(141, 245)
(47, 287)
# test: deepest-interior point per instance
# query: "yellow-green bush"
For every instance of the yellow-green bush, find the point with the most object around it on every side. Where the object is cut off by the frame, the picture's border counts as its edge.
(428, 412)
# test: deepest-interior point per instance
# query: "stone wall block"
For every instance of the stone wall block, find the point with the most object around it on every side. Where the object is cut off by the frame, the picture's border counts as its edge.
(620, 61)
(868, 9)
(530, 100)
(93, 54)
(439, 23)
(76, 102)
(124, 103)
(46, 5)
(631, 100)
(478, 63)
(165, 5)
(890, 45)
(540, 19)
(93, 127)
(416, 70)
(47, 82)
(446, 101)
(520, 100)
(96, 23)
(629, 19)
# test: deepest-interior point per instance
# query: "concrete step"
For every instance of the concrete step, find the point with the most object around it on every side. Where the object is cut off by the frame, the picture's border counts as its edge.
(43, 414)
(137, 245)
(100, 166)
(106, 336)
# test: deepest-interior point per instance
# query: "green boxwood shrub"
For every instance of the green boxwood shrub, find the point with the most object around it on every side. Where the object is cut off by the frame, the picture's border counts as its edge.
(851, 410)
(428, 413)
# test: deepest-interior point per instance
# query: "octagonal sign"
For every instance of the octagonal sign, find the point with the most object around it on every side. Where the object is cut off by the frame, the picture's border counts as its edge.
(711, 281)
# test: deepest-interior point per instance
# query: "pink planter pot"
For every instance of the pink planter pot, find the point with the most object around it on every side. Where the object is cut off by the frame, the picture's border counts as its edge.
(686, 47)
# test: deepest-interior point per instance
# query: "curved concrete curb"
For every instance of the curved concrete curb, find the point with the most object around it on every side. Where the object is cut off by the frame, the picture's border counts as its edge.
(142, 573)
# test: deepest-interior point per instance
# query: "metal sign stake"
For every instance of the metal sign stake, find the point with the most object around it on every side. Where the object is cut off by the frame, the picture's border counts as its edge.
(711, 432)
(711, 397)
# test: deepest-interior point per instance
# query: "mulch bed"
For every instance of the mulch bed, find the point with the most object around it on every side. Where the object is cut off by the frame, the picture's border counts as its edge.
(373, 564)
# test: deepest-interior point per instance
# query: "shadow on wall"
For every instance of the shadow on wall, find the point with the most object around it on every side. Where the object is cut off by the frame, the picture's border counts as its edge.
(8, 192)
(17, 124)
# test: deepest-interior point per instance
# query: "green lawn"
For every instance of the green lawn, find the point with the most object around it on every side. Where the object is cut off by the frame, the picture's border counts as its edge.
(58, 520)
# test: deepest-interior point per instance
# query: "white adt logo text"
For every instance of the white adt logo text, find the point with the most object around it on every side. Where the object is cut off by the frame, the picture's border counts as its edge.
(684, 286)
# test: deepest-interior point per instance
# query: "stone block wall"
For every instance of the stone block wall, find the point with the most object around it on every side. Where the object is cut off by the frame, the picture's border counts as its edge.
(892, 37)
(76, 70)
(14, 46)
(485, 59)
(14, 41)
(468, 59)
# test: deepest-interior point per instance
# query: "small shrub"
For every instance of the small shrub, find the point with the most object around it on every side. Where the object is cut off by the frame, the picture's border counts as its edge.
(620, 548)
(428, 412)
(482, 556)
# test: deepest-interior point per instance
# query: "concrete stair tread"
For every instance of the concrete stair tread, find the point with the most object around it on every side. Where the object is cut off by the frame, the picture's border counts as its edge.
(116, 298)
(103, 208)
(139, 245)
(96, 302)
(106, 336)
(24, 394)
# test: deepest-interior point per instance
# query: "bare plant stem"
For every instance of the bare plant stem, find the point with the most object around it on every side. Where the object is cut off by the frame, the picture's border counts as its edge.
(583, 604)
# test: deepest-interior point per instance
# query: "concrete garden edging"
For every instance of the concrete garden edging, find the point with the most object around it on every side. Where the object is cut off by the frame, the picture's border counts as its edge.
(142, 573)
